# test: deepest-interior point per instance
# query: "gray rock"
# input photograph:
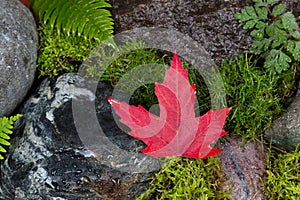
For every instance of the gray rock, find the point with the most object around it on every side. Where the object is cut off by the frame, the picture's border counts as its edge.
(285, 133)
(209, 22)
(243, 166)
(48, 160)
(18, 53)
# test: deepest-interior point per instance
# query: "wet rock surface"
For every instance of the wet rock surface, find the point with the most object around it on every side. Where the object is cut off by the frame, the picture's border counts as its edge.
(243, 166)
(47, 159)
(209, 22)
(18, 53)
(285, 133)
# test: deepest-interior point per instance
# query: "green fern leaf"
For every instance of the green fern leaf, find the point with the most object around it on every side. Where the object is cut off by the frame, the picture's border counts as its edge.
(296, 53)
(84, 17)
(3, 151)
(277, 61)
(278, 10)
(6, 125)
(289, 21)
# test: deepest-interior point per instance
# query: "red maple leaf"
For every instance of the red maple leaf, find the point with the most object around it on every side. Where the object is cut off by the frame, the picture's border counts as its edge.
(176, 132)
(26, 2)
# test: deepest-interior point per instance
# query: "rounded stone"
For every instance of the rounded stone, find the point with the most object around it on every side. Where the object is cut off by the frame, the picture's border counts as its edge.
(48, 160)
(285, 132)
(18, 53)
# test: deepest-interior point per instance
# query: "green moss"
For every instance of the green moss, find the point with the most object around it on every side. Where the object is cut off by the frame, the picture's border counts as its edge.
(59, 53)
(283, 176)
(184, 178)
(120, 61)
(253, 95)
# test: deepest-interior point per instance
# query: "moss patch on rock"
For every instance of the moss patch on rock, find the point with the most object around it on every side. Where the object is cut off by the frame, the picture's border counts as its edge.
(184, 178)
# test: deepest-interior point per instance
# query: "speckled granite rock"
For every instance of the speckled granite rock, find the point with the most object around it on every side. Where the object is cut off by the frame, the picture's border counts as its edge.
(243, 166)
(285, 133)
(47, 159)
(18, 53)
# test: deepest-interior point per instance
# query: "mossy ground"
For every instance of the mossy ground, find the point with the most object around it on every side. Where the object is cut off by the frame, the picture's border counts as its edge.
(184, 178)
(253, 95)
(256, 99)
(282, 179)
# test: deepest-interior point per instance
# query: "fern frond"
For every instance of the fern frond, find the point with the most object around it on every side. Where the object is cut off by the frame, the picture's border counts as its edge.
(6, 126)
(84, 17)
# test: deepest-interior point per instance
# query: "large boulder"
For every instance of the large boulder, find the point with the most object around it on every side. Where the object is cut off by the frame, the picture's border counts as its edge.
(48, 160)
(285, 133)
(18, 53)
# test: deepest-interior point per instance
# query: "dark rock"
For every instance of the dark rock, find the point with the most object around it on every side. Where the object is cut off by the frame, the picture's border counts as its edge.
(48, 160)
(209, 22)
(243, 166)
(285, 133)
(18, 52)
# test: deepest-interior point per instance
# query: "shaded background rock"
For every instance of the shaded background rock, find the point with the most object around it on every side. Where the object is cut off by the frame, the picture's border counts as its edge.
(285, 133)
(18, 53)
(243, 166)
(209, 22)
(47, 159)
